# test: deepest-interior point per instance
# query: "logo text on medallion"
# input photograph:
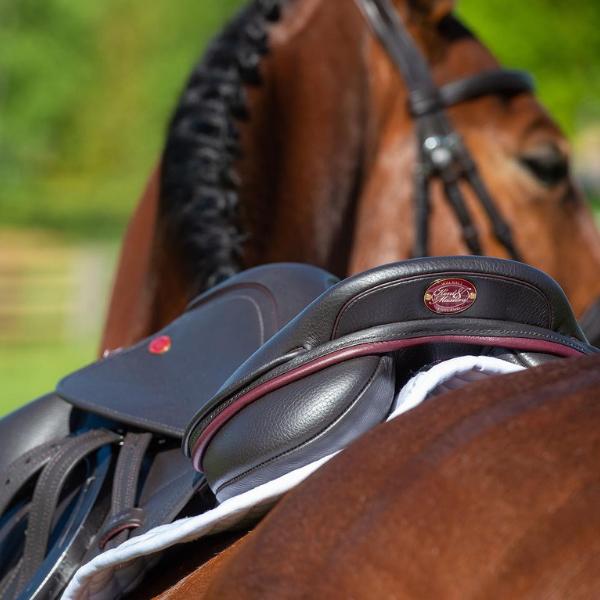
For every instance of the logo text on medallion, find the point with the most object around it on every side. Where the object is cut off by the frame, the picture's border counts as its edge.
(449, 296)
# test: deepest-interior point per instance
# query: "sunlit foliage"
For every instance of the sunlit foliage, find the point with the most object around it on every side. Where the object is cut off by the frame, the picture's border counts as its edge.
(86, 89)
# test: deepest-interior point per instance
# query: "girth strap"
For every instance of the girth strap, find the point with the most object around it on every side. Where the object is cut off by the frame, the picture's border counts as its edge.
(25, 467)
(17, 474)
(79, 515)
(123, 515)
(47, 493)
(94, 521)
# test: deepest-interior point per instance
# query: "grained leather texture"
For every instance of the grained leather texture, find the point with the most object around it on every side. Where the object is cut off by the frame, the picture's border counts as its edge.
(221, 329)
(514, 301)
(41, 421)
(299, 423)
(497, 297)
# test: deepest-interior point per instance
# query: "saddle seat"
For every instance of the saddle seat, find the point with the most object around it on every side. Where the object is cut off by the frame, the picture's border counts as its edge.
(333, 371)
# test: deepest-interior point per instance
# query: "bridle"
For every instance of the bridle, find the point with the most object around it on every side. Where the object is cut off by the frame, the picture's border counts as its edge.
(442, 152)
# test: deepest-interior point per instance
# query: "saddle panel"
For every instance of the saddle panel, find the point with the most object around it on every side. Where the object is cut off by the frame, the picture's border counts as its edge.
(159, 387)
(299, 424)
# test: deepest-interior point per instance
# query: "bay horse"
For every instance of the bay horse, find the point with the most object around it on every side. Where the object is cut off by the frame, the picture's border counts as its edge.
(488, 491)
(292, 141)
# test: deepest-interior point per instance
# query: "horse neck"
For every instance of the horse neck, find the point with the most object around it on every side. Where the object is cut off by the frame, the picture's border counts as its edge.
(149, 288)
(304, 143)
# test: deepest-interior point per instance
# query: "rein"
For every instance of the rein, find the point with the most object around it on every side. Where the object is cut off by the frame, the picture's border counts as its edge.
(442, 152)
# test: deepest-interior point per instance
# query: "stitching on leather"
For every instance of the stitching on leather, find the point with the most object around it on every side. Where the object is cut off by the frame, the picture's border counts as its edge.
(549, 336)
(318, 434)
(38, 453)
(193, 305)
(125, 418)
(391, 284)
(50, 484)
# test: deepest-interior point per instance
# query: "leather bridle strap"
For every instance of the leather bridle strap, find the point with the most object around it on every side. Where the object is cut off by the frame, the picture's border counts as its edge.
(400, 47)
(506, 82)
(442, 152)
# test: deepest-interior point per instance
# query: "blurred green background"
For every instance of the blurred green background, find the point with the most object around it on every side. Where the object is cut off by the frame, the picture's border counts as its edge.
(86, 89)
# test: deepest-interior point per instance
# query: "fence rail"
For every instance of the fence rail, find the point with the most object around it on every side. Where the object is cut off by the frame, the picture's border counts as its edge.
(50, 290)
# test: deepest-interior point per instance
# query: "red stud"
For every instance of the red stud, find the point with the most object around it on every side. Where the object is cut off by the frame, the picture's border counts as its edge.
(160, 344)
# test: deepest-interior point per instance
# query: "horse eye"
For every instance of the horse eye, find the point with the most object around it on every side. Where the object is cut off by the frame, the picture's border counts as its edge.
(547, 164)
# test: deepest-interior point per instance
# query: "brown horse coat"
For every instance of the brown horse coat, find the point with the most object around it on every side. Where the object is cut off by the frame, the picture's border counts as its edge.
(327, 164)
(491, 491)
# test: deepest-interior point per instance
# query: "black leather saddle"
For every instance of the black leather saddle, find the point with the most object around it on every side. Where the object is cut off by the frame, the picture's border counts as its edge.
(333, 371)
(99, 460)
(271, 370)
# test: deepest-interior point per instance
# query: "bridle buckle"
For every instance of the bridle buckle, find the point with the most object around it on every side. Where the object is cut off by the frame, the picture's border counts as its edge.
(441, 154)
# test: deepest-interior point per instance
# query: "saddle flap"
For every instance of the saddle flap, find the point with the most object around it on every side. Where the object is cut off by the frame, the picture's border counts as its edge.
(159, 383)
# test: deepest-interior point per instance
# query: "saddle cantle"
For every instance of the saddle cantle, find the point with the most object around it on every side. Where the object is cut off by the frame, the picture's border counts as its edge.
(99, 460)
(332, 372)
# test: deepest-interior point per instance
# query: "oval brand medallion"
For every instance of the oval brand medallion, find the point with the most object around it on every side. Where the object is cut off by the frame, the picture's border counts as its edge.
(160, 345)
(448, 296)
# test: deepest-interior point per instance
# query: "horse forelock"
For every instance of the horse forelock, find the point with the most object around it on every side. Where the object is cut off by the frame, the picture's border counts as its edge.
(199, 200)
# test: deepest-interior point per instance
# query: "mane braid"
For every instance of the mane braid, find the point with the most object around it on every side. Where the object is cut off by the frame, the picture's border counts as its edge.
(199, 201)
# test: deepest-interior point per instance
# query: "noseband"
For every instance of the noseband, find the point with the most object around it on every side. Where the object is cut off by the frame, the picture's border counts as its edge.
(442, 152)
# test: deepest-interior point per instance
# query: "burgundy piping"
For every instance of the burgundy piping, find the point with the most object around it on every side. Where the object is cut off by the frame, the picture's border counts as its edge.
(109, 535)
(338, 356)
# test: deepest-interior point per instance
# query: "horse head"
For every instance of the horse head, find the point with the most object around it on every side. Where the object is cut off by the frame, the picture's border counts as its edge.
(521, 154)
(293, 141)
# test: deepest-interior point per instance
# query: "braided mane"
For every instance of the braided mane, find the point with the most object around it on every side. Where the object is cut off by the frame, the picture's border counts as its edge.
(199, 199)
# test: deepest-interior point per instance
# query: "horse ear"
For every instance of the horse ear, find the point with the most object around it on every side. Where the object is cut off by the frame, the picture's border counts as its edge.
(432, 10)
